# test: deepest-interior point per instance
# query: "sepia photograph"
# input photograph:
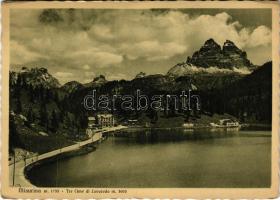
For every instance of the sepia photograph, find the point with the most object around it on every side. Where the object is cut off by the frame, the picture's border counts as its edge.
(142, 97)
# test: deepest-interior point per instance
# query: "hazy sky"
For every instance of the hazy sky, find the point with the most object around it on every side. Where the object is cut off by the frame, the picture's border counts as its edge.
(81, 44)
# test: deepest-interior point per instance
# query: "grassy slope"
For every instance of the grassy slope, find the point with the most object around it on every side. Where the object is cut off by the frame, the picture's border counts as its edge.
(32, 141)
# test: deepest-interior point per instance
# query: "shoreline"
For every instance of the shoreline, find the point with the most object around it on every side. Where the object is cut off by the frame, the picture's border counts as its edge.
(75, 161)
(65, 155)
(245, 126)
(20, 179)
(22, 168)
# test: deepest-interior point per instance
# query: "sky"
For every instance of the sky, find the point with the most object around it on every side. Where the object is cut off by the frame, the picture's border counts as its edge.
(80, 44)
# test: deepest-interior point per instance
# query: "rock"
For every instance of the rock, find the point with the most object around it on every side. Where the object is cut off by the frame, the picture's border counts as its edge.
(100, 79)
(71, 86)
(212, 55)
(35, 77)
(208, 55)
(97, 81)
(235, 57)
(193, 87)
(140, 75)
(22, 118)
(43, 133)
(211, 58)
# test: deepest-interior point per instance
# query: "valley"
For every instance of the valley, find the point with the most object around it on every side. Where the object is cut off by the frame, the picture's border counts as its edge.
(42, 110)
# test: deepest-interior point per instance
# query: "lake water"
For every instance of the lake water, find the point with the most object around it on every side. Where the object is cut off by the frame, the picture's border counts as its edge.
(166, 158)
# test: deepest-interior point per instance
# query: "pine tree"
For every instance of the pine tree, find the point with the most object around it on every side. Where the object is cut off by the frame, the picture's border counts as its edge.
(19, 81)
(31, 94)
(30, 115)
(48, 95)
(73, 127)
(54, 121)
(56, 97)
(18, 106)
(44, 120)
(67, 121)
(14, 140)
(83, 121)
(62, 115)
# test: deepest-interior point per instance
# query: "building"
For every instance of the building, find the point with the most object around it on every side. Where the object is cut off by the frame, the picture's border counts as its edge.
(92, 122)
(105, 120)
(132, 122)
(92, 126)
(101, 120)
(228, 122)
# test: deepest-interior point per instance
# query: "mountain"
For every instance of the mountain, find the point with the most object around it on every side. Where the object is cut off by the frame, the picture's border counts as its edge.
(209, 81)
(140, 75)
(71, 86)
(97, 81)
(249, 98)
(212, 58)
(39, 111)
(34, 77)
(227, 83)
(37, 106)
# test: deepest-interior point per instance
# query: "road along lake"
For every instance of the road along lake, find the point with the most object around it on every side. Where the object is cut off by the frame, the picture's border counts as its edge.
(166, 158)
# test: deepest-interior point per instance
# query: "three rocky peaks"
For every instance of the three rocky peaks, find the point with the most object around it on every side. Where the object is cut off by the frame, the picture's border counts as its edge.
(211, 55)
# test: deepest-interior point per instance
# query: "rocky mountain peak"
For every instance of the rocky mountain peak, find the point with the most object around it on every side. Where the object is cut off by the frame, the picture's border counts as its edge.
(35, 77)
(99, 79)
(140, 75)
(211, 57)
(228, 43)
(210, 43)
(210, 47)
(227, 57)
(230, 47)
(207, 55)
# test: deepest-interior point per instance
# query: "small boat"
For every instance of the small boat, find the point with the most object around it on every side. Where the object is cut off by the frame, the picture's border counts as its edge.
(225, 123)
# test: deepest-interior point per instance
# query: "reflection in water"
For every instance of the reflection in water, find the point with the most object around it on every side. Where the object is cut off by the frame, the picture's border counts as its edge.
(173, 135)
(166, 158)
(227, 130)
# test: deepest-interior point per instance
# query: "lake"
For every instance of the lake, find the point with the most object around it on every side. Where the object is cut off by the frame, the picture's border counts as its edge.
(169, 158)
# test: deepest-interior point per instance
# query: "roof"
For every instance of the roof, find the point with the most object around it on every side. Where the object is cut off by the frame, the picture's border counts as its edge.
(104, 115)
(91, 118)
(222, 120)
